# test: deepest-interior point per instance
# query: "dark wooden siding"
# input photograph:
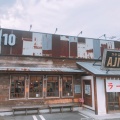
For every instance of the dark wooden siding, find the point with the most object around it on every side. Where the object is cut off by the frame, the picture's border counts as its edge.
(73, 49)
(117, 45)
(56, 45)
(64, 48)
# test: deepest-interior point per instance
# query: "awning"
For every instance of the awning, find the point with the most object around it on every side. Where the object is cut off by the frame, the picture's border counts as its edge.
(70, 70)
(96, 69)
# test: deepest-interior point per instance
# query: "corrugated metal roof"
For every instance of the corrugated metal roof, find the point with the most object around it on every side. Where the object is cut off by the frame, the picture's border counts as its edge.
(96, 69)
(40, 69)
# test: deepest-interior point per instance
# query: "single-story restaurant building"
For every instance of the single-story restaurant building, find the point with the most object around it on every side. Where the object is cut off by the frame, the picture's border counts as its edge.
(43, 69)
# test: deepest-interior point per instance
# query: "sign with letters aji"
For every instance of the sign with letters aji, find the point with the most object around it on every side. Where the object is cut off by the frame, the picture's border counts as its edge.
(111, 60)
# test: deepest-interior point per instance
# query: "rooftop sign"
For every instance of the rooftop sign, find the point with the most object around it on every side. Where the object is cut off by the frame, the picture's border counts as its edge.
(111, 60)
(8, 39)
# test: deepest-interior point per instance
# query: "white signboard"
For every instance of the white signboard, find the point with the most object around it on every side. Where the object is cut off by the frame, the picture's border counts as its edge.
(113, 85)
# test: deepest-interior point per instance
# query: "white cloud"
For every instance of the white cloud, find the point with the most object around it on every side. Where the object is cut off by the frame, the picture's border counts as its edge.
(92, 17)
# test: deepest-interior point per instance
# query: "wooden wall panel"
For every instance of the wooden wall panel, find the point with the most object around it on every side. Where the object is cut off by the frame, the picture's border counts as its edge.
(73, 49)
(56, 46)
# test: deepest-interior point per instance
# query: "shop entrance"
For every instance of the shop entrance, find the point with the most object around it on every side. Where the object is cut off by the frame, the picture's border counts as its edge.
(113, 101)
(87, 92)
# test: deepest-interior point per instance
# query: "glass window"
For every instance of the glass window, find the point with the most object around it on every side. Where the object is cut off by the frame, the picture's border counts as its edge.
(87, 87)
(53, 86)
(17, 87)
(67, 89)
(113, 99)
(36, 86)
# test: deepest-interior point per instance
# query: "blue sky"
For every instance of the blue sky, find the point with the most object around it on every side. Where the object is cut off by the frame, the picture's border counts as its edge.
(93, 17)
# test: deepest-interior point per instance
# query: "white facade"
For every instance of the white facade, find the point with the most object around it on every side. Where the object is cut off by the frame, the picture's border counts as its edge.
(101, 100)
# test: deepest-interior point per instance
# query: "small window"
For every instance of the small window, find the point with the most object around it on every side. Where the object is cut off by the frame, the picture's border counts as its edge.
(67, 83)
(36, 87)
(53, 86)
(17, 87)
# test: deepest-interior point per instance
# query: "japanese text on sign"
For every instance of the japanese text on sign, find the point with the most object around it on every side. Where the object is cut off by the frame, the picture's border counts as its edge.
(113, 85)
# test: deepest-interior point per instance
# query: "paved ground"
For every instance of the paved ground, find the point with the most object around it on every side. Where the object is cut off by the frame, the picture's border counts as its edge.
(89, 113)
(113, 119)
(1, 118)
(53, 116)
(81, 114)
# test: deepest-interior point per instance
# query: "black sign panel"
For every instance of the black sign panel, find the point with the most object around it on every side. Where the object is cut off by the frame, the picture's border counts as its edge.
(111, 60)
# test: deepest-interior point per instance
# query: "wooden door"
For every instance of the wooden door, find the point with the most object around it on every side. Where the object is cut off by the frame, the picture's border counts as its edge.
(87, 92)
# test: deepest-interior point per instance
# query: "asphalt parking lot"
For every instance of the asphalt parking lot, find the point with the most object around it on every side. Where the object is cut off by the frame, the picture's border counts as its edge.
(53, 116)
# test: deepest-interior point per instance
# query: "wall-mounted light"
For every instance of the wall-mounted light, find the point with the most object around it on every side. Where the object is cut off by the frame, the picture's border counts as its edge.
(79, 33)
(30, 27)
(104, 35)
(55, 30)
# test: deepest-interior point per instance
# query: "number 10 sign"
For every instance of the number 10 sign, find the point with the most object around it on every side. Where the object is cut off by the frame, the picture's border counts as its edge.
(8, 39)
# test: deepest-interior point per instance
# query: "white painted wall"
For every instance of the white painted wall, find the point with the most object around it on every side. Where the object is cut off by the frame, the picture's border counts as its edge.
(101, 100)
(27, 48)
(81, 51)
(92, 86)
(34, 46)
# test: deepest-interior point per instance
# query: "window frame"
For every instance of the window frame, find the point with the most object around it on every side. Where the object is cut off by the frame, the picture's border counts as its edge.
(62, 87)
(24, 87)
(58, 88)
(42, 88)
